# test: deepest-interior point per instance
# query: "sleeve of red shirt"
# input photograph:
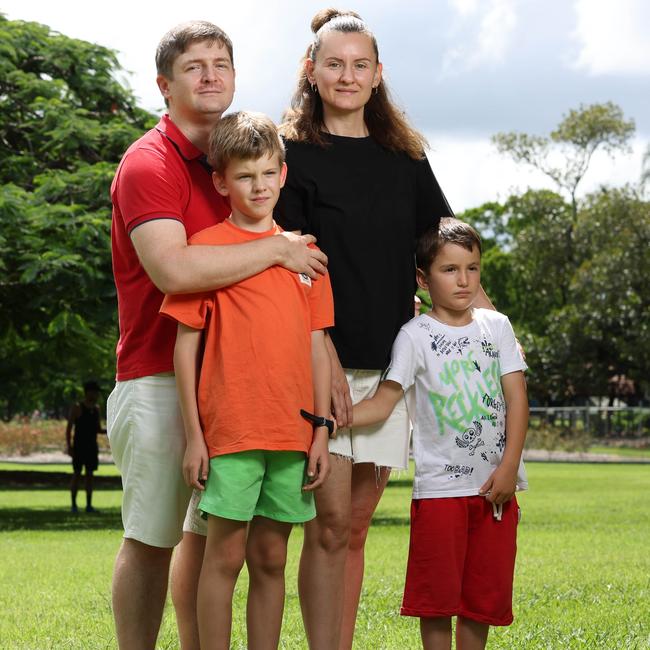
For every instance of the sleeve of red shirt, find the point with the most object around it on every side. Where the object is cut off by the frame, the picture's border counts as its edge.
(321, 302)
(149, 189)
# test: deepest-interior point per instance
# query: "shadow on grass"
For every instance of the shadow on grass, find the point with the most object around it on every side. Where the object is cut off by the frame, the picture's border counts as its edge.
(400, 482)
(34, 480)
(390, 521)
(52, 519)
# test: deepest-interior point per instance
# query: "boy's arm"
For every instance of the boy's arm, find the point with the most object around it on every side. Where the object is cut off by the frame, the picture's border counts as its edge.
(501, 485)
(187, 363)
(175, 267)
(318, 467)
(378, 407)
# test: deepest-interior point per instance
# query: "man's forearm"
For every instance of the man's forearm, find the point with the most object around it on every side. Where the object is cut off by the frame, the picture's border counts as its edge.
(175, 267)
(188, 269)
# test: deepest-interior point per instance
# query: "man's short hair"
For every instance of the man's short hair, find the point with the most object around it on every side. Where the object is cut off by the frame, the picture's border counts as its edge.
(450, 231)
(179, 38)
(243, 136)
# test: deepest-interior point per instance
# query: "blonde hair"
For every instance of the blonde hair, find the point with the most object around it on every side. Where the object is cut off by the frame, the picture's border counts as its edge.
(243, 135)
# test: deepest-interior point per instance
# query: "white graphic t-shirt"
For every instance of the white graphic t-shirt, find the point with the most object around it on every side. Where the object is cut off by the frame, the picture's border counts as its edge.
(452, 380)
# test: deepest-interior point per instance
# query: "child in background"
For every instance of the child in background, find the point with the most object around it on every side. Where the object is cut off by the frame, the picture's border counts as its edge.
(263, 361)
(462, 372)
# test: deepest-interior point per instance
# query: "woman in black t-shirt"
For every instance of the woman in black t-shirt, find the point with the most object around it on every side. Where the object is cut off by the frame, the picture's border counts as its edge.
(358, 179)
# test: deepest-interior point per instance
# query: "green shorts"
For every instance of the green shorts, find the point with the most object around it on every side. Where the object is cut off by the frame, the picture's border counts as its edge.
(261, 483)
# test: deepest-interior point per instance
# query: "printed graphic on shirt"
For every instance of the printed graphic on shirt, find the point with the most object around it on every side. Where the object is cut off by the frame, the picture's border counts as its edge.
(452, 376)
(469, 405)
(305, 279)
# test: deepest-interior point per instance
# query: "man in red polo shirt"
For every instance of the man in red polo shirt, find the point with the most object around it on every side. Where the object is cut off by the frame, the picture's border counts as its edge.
(162, 194)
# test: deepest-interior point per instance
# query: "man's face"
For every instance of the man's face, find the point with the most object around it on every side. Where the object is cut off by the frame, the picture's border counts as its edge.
(202, 83)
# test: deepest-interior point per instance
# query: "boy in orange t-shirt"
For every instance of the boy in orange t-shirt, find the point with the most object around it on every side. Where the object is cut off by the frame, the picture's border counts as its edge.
(263, 361)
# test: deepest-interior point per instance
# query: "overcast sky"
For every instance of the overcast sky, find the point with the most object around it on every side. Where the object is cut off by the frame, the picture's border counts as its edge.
(462, 69)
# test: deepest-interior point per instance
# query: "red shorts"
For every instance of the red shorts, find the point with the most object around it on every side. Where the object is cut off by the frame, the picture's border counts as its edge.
(461, 560)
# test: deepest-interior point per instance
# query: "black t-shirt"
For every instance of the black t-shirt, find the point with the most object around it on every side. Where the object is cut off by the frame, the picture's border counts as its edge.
(366, 206)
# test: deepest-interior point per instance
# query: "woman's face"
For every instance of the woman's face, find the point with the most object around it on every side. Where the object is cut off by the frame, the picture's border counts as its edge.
(346, 71)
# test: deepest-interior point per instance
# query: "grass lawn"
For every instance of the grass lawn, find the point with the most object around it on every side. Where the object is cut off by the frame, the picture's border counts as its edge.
(583, 570)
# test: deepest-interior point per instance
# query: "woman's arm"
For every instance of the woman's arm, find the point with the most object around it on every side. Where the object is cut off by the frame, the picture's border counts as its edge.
(341, 400)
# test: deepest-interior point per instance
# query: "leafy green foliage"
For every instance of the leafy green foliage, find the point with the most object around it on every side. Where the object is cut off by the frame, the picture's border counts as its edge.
(577, 292)
(65, 121)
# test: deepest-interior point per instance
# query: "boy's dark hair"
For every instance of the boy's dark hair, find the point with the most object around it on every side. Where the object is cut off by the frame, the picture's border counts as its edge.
(179, 38)
(450, 231)
(243, 136)
(91, 386)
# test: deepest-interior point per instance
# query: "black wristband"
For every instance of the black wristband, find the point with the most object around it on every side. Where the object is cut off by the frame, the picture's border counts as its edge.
(318, 421)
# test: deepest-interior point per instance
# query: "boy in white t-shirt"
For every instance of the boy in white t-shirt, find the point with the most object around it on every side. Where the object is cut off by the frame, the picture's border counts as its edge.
(462, 372)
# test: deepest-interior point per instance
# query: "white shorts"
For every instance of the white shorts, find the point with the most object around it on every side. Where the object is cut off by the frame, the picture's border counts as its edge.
(145, 431)
(385, 444)
(194, 523)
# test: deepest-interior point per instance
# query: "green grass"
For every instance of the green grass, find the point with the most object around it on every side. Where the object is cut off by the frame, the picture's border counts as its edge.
(583, 568)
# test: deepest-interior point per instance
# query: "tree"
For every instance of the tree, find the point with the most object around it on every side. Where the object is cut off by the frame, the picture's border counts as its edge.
(578, 136)
(65, 121)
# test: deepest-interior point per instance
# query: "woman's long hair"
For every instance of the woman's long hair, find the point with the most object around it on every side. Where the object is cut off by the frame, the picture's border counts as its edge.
(304, 121)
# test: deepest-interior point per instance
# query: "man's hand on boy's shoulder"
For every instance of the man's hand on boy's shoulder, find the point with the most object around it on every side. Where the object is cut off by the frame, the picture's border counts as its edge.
(299, 257)
(318, 465)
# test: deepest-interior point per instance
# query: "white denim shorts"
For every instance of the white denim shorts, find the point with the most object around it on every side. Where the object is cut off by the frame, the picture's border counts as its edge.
(147, 439)
(194, 523)
(385, 444)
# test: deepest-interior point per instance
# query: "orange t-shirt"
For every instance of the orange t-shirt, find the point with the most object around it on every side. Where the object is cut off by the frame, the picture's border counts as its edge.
(256, 369)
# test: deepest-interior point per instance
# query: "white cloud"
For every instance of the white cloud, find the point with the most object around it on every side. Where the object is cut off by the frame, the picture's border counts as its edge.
(471, 172)
(464, 7)
(613, 36)
(479, 42)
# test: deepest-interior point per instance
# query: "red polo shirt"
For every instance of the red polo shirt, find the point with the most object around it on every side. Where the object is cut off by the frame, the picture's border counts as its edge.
(161, 176)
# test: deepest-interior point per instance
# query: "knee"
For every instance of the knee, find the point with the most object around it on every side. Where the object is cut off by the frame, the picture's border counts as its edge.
(137, 556)
(358, 534)
(330, 532)
(227, 563)
(266, 559)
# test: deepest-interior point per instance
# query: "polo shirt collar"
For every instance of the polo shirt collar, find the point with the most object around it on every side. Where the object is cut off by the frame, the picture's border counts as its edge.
(184, 146)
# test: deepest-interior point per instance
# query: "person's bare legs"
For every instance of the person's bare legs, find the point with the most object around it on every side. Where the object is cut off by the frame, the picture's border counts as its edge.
(322, 562)
(266, 557)
(368, 485)
(436, 633)
(186, 569)
(74, 489)
(89, 490)
(225, 551)
(471, 635)
(139, 590)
